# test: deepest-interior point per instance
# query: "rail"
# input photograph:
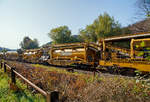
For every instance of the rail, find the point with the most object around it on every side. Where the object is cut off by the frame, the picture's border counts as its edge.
(127, 37)
(50, 96)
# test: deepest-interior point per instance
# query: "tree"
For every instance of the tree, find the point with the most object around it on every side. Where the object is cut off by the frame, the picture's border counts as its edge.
(62, 35)
(88, 34)
(28, 43)
(19, 51)
(126, 30)
(103, 26)
(75, 38)
(4, 51)
(144, 6)
(106, 26)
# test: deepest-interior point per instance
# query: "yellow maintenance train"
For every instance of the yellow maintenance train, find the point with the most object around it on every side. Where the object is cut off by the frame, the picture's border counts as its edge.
(95, 55)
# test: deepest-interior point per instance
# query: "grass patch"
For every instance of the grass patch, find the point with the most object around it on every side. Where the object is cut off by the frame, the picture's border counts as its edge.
(24, 95)
(50, 68)
(54, 69)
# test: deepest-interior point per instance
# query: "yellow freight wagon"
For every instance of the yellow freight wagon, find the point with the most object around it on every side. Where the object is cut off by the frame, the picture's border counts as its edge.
(113, 56)
(32, 55)
(74, 53)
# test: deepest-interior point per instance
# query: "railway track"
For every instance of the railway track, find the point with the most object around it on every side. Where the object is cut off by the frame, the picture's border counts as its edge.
(92, 71)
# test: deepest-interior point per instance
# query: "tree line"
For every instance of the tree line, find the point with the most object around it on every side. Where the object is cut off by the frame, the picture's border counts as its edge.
(103, 26)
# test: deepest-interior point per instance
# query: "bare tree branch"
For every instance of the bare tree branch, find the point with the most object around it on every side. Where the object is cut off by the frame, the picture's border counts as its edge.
(144, 6)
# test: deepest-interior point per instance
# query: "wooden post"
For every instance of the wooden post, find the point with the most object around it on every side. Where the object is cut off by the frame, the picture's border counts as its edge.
(94, 73)
(4, 66)
(13, 76)
(48, 97)
(52, 97)
(27, 83)
(1, 64)
(55, 96)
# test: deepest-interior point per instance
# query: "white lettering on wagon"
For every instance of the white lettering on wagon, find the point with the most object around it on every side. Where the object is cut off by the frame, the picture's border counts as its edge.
(66, 53)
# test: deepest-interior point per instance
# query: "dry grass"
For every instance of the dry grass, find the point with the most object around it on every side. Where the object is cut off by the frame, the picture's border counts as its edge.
(75, 87)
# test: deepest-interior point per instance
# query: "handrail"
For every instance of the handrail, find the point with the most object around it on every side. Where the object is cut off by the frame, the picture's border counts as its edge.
(30, 83)
(50, 97)
(126, 37)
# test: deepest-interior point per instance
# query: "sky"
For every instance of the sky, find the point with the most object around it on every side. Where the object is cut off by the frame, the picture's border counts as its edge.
(35, 18)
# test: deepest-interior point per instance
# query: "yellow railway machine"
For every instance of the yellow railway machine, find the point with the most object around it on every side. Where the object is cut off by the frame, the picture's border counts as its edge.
(137, 57)
(74, 53)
